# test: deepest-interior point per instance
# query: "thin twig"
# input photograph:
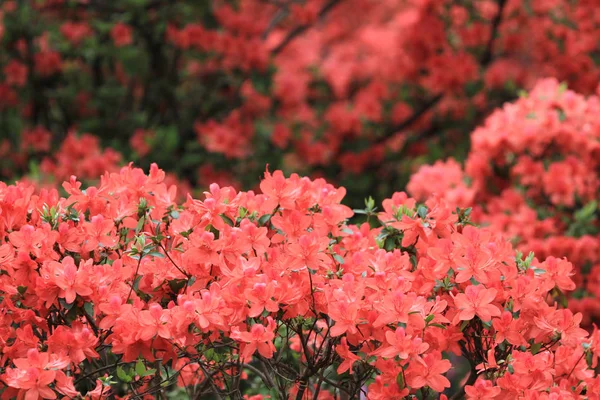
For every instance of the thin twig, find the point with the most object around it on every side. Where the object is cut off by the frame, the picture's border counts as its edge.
(428, 105)
(489, 50)
(300, 29)
(277, 18)
(137, 270)
(210, 382)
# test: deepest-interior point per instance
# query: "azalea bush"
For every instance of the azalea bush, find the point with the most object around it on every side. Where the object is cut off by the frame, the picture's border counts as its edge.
(118, 290)
(532, 173)
(214, 90)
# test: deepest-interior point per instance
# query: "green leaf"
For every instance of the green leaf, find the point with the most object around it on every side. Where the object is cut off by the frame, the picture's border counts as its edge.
(140, 368)
(422, 211)
(535, 348)
(370, 203)
(107, 380)
(140, 225)
(227, 220)
(136, 283)
(209, 354)
(177, 284)
(389, 245)
(156, 254)
(134, 60)
(167, 139)
(587, 212)
(464, 325)
(102, 26)
(89, 308)
(438, 325)
(65, 305)
(338, 258)
(562, 87)
(262, 221)
(123, 376)
(400, 380)
(137, 3)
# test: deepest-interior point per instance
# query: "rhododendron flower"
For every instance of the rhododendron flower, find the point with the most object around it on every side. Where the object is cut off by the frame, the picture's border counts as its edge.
(428, 372)
(75, 32)
(77, 343)
(507, 329)
(16, 73)
(47, 63)
(413, 230)
(402, 345)
(481, 390)
(349, 358)
(259, 338)
(345, 316)
(121, 34)
(70, 280)
(476, 301)
(155, 321)
(34, 374)
(562, 323)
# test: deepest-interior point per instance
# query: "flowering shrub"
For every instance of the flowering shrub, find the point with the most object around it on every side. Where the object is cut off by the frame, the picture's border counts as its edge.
(334, 87)
(533, 174)
(117, 290)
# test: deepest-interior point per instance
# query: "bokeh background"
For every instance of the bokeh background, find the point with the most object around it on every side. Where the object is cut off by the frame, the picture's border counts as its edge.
(362, 92)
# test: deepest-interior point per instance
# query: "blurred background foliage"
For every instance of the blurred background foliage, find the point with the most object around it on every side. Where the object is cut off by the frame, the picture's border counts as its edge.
(359, 91)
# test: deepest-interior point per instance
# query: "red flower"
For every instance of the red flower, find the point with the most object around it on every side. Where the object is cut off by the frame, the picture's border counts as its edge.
(428, 372)
(476, 301)
(34, 374)
(75, 32)
(402, 345)
(121, 34)
(16, 73)
(70, 280)
(348, 357)
(259, 338)
(482, 390)
(47, 63)
(8, 97)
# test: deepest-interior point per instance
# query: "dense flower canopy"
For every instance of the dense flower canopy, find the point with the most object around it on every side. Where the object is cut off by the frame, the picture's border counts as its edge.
(200, 280)
(532, 173)
(118, 289)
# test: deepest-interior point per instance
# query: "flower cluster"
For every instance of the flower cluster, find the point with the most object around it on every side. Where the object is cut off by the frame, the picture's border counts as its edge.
(532, 173)
(118, 290)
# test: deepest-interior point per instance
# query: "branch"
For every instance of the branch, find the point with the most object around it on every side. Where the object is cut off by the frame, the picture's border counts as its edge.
(300, 29)
(211, 383)
(489, 50)
(428, 105)
(410, 120)
(137, 270)
(277, 18)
